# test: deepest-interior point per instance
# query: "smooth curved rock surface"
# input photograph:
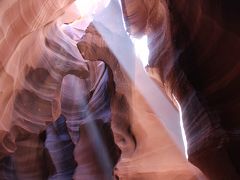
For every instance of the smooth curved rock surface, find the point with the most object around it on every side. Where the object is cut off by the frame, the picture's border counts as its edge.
(61, 104)
(193, 51)
(147, 150)
(45, 56)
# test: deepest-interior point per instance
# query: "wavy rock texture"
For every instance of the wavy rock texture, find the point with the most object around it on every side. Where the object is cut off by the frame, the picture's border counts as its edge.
(147, 150)
(21, 68)
(47, 63)
(86, 106)
(60, 112)
(40, 56)
(193, 49)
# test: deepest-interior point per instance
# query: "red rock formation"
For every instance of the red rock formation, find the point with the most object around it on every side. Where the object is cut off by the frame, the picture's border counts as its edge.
(28, 80)
(193, 47)
(38, 53)
(193, 57)
(147, 150)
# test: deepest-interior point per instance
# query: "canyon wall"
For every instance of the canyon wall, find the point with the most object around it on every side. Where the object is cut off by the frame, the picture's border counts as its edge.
(77, 103)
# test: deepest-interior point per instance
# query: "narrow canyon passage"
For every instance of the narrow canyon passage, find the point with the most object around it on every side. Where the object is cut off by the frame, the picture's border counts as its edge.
(119, 89)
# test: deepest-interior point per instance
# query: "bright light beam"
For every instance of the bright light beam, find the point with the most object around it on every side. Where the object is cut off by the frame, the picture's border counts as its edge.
(165, 111)
(141, 49)
(123, 50)
(182, 127)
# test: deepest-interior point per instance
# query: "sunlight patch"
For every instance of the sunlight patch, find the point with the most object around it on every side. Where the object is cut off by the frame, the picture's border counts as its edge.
(182, 128)
(141, 49)
(90, 7)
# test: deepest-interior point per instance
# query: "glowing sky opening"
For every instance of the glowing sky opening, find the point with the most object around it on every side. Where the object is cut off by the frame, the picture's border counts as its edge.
(90, 7)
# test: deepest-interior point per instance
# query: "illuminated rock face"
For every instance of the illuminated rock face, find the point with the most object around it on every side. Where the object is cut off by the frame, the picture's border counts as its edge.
(147, 150)
(36, 82)
(64, 114)
(41, 74)
(194, 50)
(28, 79)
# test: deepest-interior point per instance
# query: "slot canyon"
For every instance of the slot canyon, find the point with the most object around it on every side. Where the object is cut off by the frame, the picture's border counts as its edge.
(119, 89)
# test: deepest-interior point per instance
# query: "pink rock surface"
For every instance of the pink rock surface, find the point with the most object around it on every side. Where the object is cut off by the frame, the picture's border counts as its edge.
(92, 78)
